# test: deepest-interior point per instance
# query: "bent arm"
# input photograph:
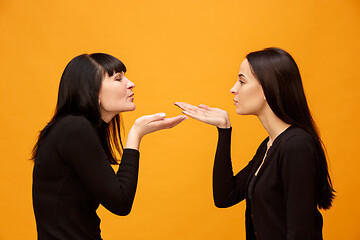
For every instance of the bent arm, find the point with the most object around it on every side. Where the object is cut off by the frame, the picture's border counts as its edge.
(82, 149)
(228, 189)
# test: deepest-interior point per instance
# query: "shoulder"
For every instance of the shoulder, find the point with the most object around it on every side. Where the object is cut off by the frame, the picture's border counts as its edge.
(70, 125)
(72, 120)
(297, 141)
(297, 152)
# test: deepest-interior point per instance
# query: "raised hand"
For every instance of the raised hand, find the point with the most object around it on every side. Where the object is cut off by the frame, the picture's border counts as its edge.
(148, 124)
(203, 113)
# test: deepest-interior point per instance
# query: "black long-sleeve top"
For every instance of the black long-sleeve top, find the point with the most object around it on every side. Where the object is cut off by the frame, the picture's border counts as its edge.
(72, 176)
(283, 201)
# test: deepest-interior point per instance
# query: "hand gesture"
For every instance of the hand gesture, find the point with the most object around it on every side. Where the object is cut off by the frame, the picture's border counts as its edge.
(203, 113)
(148, 124)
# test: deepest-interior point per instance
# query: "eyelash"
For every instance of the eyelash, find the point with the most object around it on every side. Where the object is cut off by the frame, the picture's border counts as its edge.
(241, 82)
(118, 79)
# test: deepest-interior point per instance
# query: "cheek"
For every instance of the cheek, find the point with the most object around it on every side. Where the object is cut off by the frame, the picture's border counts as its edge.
(112, 96)
(251, 99)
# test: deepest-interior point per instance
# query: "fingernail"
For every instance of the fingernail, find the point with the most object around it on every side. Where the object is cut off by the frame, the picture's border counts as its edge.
(162, 115)
(184, 118)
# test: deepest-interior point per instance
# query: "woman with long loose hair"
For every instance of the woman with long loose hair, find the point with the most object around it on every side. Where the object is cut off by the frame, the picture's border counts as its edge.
(72, 172)
(287, 181)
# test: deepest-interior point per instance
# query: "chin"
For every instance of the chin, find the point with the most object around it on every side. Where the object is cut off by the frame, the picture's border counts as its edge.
(132, 107)
(239, 112)
(129, 108)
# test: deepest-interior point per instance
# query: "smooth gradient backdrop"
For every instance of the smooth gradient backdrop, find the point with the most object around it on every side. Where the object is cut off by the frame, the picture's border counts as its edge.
(188, 50)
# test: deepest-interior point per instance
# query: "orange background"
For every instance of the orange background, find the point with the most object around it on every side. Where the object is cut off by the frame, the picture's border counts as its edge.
(187, 50)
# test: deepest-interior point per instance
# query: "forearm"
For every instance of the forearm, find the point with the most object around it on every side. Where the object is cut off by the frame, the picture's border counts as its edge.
(128, 178)
(224, 185)
(228, 189)
(133, 140)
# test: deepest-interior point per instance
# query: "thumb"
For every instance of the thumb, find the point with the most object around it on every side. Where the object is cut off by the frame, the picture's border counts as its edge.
(155, 117)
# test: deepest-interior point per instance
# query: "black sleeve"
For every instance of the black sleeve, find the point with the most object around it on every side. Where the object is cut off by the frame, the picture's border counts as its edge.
(298, 171)
(81, 148)
(228, 189)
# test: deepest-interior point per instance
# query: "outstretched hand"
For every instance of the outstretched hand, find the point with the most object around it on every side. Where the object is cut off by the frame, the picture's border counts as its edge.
(148, 124)
(203, 113)
(152, 123)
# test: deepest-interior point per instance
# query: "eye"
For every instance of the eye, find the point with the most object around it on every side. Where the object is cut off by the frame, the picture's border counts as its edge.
(118, 78)
(241, 81)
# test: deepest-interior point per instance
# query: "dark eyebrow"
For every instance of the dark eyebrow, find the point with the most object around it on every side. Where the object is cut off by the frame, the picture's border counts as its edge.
(242, 75)
(117, 74)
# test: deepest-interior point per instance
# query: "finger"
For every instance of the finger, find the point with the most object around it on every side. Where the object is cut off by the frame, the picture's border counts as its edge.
(168, 122)
(185, 106)
(172, 122)
(194, 116)
(179, 104)
(154, 117)
(203, 106)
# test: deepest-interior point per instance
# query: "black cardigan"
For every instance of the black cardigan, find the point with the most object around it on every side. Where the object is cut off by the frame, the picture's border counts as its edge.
(72, 176)
(283, 203)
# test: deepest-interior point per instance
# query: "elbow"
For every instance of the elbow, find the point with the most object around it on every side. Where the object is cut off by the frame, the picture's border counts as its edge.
(220, 203)
(122, 207)
(122, 211)
(226, 200)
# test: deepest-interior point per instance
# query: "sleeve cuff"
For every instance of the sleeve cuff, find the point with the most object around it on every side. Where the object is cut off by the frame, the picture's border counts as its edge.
(130, 156)
(130, 151)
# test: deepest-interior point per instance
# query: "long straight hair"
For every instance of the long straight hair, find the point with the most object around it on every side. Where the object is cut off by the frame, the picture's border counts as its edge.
(280, 79)
(78, 95)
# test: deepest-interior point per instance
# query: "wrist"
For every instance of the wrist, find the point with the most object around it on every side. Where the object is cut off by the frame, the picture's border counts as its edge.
(224, 124)
(135, 133)
(133, 139)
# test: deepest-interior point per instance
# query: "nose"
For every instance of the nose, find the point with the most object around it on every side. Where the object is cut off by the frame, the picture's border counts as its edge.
(234, 90)
(130, 84)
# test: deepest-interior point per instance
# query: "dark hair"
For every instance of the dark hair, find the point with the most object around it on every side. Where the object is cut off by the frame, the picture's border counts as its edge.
(280, 79)
(78, 95)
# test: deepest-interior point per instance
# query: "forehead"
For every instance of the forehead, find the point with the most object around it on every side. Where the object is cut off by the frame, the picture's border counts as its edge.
(244, 67)
(246, 72)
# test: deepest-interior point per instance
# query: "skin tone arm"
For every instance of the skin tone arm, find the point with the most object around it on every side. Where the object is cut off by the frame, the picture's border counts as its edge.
(203, 113)
(148, 124)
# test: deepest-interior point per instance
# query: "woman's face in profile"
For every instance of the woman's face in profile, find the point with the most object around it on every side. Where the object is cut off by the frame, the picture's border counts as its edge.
(249, 97)
(116, 94)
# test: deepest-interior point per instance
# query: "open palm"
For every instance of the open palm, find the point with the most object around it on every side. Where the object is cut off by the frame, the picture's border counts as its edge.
(203, 113)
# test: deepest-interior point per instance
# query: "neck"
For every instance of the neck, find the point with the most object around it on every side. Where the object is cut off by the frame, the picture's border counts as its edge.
(106, 116)
(272, 124)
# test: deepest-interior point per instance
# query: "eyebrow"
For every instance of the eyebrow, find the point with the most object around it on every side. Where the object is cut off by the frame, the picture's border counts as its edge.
(242, 75)
(117, 74)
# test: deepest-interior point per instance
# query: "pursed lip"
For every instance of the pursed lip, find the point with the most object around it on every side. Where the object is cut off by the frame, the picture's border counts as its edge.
(235, 102)
(131, 95)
